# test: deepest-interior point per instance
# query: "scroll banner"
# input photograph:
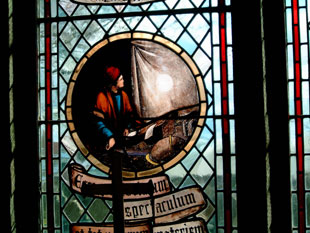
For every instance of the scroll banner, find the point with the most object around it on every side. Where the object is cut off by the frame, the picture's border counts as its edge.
(108, 228)
(79, 177)
(133, 2)
(166, 208)
(163, 208)
(193, 226)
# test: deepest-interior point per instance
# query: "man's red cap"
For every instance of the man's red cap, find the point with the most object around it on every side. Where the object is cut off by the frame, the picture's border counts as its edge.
(113, 73)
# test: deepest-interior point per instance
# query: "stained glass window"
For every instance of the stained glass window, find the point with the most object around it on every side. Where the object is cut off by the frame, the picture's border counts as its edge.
(175, 53)
(297, 39)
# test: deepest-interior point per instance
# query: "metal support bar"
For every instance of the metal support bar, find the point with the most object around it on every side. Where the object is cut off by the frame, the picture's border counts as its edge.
(117, 193)
(118, 189)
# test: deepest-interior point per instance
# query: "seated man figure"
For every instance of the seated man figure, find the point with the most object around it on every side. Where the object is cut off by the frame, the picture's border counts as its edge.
(113, 109)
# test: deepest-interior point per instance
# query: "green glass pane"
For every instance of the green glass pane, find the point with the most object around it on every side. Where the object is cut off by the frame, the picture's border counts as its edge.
(198, 27)
(98, 210)
(233, 173)
(210, 190)
(56, 175)
(42, 105)
(303, 25)
(93, 8)
(294, 210)
(70, 35)
(54, 72)
(54, 38)
(220, 209)
(65, 158)
(308, 209)
(56, 211)
(176, 175)
(62, 93)
(307, 172)
(131, 8)
(42, 141)
(73, 210)
(40, 8)
(215, 28)
(84, 200)
(67, 69)
(212, 225)
(44, 210)
(61, 12)
(68, 7)
(231, 106)
(81, 24)
(55, 148)
(209, 153)
(306, 131)
(55, 104)
(106, 10)
(172, 28)
(119, 26)
(158, 20)
(109, 203)
(305, 92)
(157, 6)
(219, 173)
(218, 136)
(293, 170)
(190, 158)
(62, 116)
(109, 218)
(187, 43)
(132, 21)
(81, 10)
(43, 175)
(65, 193)
(41, 72)
(42, 39)
(184, 19)
(230, 65)
(65, 224)
(206, 45)
(289, 34)
(80, 159)
(80, 49)
(292, 135)
(63, 53)
(184, 4)
(204, 139)
(202, 60)
(188, 182)
(171, 3)
(86, 219)
(106, 23)
(94, 33)
(201, 172)
(146, 25)
(197, 3)
(234, 209)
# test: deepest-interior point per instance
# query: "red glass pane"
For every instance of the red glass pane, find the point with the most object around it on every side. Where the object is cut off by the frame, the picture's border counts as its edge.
(296, 43)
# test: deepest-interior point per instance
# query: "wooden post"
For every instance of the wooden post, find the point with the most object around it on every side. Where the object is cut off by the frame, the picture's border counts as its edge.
(117, 193)
(118, 189)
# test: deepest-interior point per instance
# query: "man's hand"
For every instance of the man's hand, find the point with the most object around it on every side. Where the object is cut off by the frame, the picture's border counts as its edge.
(126, 132)
(110, 144)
